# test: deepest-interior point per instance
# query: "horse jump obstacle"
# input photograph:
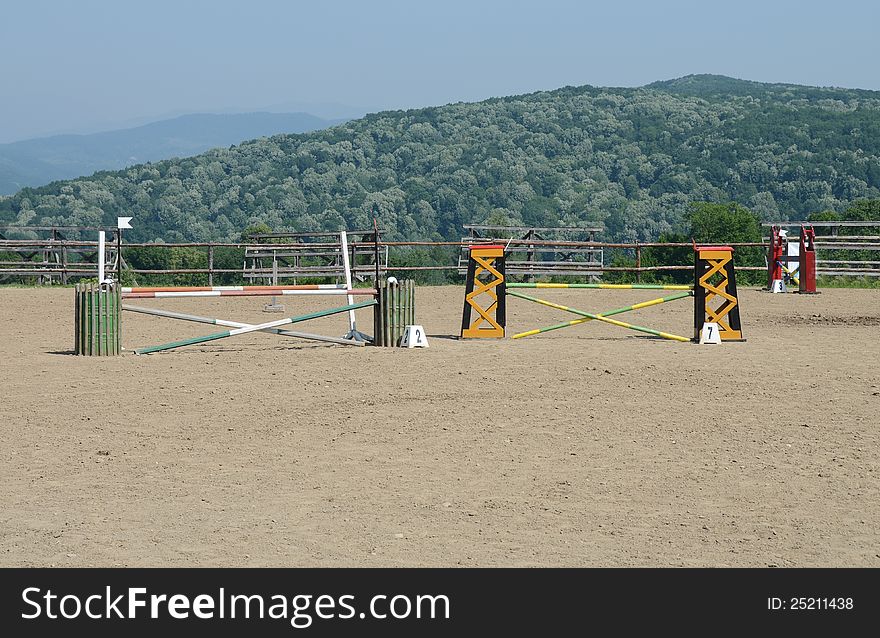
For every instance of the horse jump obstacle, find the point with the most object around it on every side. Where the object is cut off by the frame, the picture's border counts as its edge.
(157, 312)
(97, 311)
(714, 276)
(396, 305)
(97, 332)
(782, 253)
(253, 328)
(161, 292)
(353, 336)
(603, 316)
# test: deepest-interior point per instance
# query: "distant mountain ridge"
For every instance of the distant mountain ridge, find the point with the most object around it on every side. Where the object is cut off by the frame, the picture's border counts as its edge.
(709, 86)
(38, 161)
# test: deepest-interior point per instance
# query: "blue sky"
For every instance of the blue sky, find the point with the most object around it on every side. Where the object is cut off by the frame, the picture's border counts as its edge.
(96, 64)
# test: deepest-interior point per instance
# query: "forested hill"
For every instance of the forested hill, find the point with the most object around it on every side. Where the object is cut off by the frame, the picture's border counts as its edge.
(629, 158)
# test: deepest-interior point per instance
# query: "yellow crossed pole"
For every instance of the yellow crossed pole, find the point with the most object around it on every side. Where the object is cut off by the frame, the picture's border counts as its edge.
(586, 316)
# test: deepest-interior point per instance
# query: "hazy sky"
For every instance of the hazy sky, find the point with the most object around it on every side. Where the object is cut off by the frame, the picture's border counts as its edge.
(89, 65)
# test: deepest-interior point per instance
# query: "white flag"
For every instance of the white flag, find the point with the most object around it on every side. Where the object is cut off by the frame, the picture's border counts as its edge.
(122, 222)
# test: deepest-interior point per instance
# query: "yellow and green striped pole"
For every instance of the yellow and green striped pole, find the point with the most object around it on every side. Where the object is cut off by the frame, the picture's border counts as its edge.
(602, 316)
(605, 286)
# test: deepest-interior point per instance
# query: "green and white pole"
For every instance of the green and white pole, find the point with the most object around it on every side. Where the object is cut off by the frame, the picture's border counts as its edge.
(253, 328)
(168, 314)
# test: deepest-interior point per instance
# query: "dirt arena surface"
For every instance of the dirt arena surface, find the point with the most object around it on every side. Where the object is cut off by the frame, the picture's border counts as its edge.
(588, 446)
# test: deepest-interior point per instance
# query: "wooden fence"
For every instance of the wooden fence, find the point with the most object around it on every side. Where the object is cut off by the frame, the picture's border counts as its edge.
(60, 260)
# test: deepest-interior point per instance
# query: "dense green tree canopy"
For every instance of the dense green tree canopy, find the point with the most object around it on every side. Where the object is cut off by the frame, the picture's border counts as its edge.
(632, 159)
(722, 223)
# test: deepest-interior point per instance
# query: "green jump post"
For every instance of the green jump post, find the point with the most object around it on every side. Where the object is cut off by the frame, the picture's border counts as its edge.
(96, 320)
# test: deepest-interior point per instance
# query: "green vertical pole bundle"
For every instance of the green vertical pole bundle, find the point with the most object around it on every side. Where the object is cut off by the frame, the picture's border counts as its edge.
(96, 320)
(397, 309)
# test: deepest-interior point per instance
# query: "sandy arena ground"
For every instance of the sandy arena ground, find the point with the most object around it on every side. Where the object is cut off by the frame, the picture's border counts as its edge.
(588, 446)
